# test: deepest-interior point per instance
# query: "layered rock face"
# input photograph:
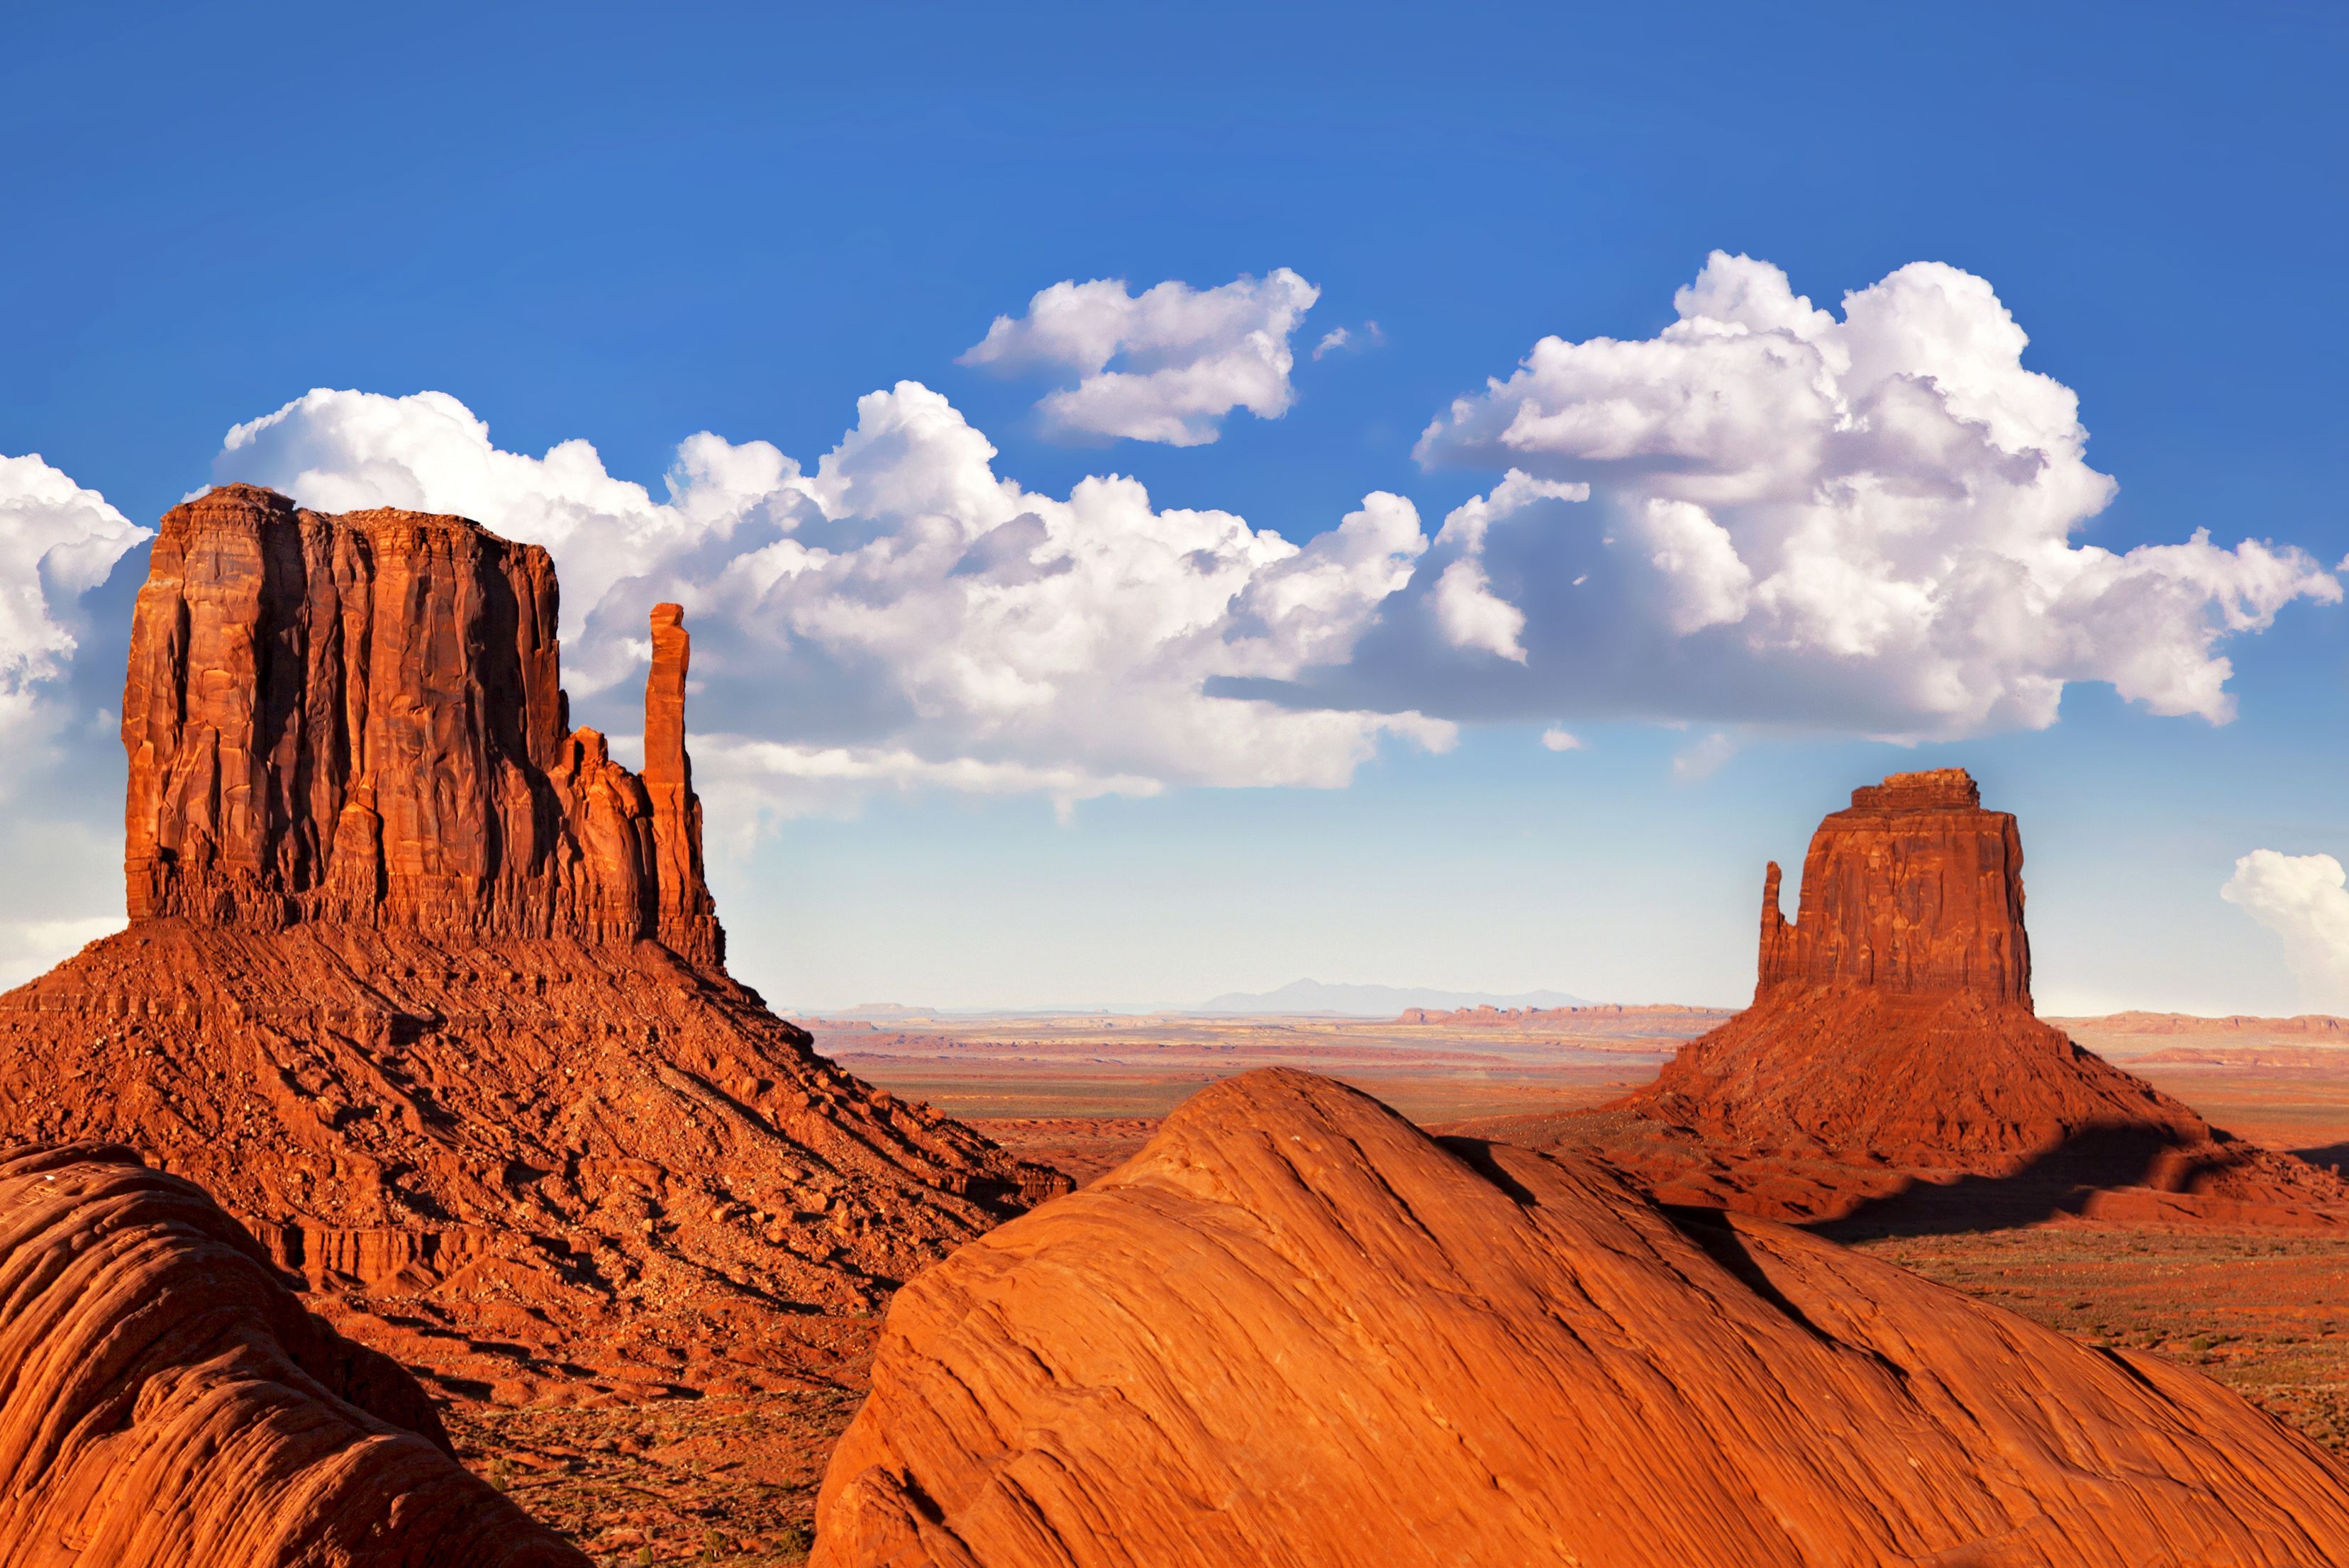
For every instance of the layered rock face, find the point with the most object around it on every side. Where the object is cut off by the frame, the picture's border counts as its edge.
(1295, 1329)
(360, 718)
(1892, 1033)
(427, 990)
(1914, 889)
(166, 1403)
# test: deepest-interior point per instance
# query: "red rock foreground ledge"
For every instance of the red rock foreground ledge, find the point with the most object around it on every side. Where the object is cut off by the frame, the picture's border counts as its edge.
(165, 1403)
(1295, 1329)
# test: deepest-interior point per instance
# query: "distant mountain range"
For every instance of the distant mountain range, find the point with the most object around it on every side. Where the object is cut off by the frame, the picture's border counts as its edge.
(1375, 1001)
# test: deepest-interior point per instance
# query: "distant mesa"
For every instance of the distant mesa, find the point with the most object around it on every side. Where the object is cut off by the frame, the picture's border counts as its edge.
(2326, 1027)
(1296, 1329)
(166, 1403)
(1891, 1038)
(1314, 997)
(1583, 1015)
(429, 991)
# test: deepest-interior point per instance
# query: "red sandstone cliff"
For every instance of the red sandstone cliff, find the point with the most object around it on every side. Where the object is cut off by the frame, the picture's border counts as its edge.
(1294, 1329)
(1892, 1033)
(165, 1403)
(427, 990)
(360, 718)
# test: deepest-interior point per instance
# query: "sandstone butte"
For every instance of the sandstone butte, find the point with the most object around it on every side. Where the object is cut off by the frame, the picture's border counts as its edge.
(429, 992)
(1295, 1329)
(1891, 1059)
(165, 1402)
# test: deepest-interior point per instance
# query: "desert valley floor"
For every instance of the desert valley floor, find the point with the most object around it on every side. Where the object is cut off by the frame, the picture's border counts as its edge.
(734, 1479)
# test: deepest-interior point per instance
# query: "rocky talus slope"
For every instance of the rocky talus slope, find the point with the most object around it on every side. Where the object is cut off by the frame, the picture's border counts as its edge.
(166, 1402)
(429, 993)
(1891, 1038)
(1295, 1329)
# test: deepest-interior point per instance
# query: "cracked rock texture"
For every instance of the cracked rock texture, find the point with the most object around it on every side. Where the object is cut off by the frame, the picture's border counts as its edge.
(1296, 1330)
(165, 1402)
(427, 991)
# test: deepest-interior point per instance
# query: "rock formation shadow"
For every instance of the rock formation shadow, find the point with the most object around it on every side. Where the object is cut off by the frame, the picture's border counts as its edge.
(2062, 1180)
(2332, 1157)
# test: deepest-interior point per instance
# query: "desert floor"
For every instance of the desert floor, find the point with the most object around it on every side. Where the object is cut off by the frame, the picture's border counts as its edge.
(734, 1481)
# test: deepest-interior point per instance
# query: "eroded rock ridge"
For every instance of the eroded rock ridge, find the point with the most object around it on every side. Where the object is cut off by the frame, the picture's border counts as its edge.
(1295, 1329)
(166, 1403)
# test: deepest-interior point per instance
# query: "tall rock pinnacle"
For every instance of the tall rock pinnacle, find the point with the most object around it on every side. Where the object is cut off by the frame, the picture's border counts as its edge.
(684, 916)
(360, 718)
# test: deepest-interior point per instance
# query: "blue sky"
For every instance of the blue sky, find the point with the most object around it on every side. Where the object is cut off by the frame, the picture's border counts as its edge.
(595, 224)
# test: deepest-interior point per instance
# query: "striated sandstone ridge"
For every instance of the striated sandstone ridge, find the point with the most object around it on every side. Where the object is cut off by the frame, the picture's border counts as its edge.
(1892, 1034)
(166, 1403)
(1295, 1329)
(427, 990)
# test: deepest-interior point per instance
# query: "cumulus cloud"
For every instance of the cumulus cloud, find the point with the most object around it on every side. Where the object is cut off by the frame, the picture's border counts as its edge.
(1557, 738)
(2303, 899)
(1346, 337)
(57, 542)
(1703, 758)
(903, 615)
(1184, 357)
(1861, 522)
(33, 947)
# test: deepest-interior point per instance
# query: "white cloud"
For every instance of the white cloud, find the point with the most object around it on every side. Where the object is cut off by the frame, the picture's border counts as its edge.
(903, 615)
(31, 947)
(1184, 358)
(1861, 523)
(1704, 760)
(341, 452)
(57, 542)
(1557, 738)
(1472, 616)
(1345, 337)
(1709, 585)
(2303, 899)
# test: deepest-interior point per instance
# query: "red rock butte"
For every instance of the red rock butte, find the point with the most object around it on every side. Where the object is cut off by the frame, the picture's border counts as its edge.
(1891, 1035)
(429, 993)
(361, 720)
(1296, 1329)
